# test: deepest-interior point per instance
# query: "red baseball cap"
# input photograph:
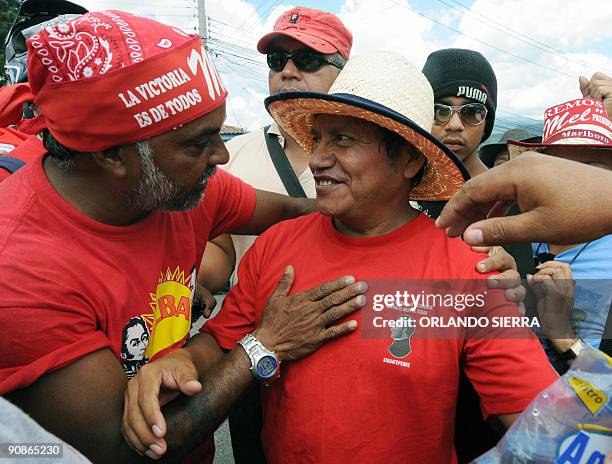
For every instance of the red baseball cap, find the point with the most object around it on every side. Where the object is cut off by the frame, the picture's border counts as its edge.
(319, 30)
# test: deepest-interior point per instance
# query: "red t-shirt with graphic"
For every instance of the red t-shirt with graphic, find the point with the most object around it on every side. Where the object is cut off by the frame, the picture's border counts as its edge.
(387, 397)
(72, 285)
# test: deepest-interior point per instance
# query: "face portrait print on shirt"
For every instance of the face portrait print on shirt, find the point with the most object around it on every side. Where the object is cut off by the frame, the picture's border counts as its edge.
(401, 334)
(134, 341)
(165, 327)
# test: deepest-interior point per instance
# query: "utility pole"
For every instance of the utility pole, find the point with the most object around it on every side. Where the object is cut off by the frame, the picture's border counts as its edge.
(202, 28)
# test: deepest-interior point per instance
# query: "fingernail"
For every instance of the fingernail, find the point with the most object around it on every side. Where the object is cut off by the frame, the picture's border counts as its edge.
(150, 454)
(474, 236)
(482, 267)
(360, 300)
(362, 287)
(192, 384)
(156, 449)
(157, 431)
(349, 280)
(352, 324)
(493, 283)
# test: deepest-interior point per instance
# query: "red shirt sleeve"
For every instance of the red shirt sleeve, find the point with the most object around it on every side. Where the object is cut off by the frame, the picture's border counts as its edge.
(507, 366)
(4, 174)
(237, 316)
(43, 340)
(229, 201)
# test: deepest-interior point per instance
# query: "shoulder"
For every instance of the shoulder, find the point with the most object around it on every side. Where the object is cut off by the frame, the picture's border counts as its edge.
(285, 233)
(605, 243)
(19, 207)
(451, 253)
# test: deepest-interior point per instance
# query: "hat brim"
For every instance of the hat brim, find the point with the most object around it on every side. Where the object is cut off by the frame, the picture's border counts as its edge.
(311, 41)
(295, 111)
(488, 153)
(515, 147)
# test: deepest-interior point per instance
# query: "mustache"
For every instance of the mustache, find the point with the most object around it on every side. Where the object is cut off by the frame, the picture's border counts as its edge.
(206, 175)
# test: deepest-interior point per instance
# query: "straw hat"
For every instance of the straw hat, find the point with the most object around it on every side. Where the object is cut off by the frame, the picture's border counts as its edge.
(388, 90)
(575, 123)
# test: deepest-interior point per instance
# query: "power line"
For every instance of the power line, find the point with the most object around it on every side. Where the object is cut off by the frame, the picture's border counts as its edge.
(484, 43)
(248, 52)
(529, 40)
(254, 12)
(248, 60)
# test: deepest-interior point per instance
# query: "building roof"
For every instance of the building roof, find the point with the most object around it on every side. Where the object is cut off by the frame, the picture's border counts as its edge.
(232, 130)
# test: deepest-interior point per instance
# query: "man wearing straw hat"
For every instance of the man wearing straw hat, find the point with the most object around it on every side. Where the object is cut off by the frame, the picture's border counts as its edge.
(101, 237)
(357, 400)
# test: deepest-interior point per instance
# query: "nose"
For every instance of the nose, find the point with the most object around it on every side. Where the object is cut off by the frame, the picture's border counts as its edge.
(220, 155)
(455, 124)
(322, 157)
(290, 71)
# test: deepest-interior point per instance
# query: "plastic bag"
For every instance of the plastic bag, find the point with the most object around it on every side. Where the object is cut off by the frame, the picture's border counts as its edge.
(568, 423)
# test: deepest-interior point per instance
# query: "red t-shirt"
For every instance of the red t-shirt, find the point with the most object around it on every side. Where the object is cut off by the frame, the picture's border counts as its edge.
(356, 399)
(18, 145)
(72, 285)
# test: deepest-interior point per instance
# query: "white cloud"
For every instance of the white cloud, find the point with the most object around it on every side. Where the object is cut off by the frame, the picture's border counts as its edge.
(236, 26)
(387, 25)
(543, 77)
(563, 25)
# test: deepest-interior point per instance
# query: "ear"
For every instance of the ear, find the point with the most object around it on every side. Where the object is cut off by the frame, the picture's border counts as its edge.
(118, 162)
(414, 161)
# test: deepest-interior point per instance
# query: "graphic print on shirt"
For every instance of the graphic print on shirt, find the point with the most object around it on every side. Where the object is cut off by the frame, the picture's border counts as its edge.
(401, 334)
(165, 327)
(134, 341)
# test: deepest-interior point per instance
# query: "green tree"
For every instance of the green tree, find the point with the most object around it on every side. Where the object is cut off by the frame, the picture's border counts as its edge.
(8, 13)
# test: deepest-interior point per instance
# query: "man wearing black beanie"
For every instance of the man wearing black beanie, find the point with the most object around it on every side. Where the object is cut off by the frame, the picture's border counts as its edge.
(465, 95)
(465, 100)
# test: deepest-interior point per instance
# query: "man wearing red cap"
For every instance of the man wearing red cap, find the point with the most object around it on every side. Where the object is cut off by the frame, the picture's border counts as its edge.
(100, 239)
(305, 51)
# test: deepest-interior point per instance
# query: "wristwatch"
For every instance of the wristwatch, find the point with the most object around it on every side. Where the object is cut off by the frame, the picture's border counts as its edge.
(265, 365)
(574, 350)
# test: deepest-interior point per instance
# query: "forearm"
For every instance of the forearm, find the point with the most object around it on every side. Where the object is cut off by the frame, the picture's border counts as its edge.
(191, 419)
(217, 263)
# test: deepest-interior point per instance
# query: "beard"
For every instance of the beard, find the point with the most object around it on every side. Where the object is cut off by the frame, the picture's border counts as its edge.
(156, 191)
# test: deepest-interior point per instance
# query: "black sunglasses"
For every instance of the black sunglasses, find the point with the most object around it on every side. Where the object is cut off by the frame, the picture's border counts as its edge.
(305, 59)
(472, 114)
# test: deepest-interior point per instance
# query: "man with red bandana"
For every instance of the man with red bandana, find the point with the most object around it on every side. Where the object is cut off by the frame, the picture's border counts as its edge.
(101, 237)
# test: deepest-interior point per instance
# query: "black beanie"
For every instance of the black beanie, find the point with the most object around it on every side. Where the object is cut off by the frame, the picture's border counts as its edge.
(456, 72)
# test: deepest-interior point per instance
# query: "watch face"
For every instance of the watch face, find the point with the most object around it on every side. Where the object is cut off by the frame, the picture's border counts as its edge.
(266, 367)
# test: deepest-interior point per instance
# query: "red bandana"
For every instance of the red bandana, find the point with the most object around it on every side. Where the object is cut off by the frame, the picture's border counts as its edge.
(111, 78)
